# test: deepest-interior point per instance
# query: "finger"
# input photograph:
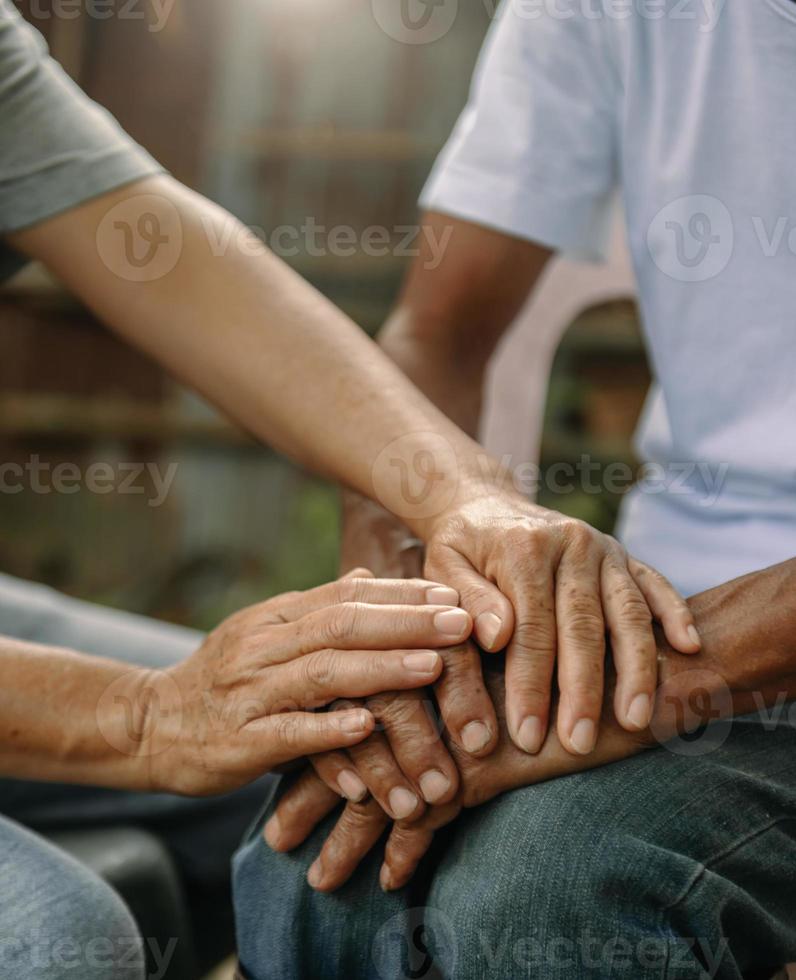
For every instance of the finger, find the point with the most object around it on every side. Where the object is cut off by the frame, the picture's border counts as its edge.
(299, 811)
(408, 843)
(379, 771)
(338, 773)
(667, 606)
(318, 678)
(464, 703)
(635, 653)
(530, 656)
(416, 742)
(358, 829)
(581, 648)
(492, 613)
(284, 737)
(365, 588)
(360, 626)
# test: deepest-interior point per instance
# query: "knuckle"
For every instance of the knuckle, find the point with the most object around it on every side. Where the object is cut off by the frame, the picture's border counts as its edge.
(358, 817)
(535, 641)
(579, 536)
(320, 670)
(399, 711)
(286, 731)
(585, 632)
(342, 623)
(348, 590)
(633, 610)
(401, 842)
(533, 542)
(533, 688)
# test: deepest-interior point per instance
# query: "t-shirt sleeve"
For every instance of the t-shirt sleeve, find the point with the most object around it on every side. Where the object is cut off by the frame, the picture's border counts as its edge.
(58, 148)
(534, 154)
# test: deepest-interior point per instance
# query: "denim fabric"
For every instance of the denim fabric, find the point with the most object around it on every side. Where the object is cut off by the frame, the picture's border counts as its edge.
(667, 865)
(59, 920)
(50, 895)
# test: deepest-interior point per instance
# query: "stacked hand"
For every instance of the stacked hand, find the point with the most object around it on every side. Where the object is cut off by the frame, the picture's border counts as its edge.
(546, 588)
(247, 700)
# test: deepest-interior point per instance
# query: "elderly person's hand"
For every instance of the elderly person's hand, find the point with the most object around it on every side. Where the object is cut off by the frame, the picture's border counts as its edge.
(246, 701)
(689, 698)
(549, 589)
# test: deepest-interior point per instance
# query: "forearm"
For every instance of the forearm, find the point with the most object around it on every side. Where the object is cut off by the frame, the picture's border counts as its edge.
(235, 323)
(450, 376)
(68, 717)
(748, 631)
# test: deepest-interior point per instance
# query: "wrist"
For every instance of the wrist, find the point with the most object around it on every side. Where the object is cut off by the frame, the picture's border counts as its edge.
(149, 729)
(747, 660)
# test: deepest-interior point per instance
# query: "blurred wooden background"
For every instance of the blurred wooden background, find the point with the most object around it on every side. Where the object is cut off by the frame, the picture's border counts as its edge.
(287, 114)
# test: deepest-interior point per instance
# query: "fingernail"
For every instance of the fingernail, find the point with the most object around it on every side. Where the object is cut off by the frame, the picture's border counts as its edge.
(421, 663)
(452, 622)
(583, 736)
(434, 785)
(488, 626)
(441, 595)
(353, 722)
(530, 734)
(475, 736)
(402, 802)
(351, 786)
(640, 710)
(273, 831)
(693, 635)
(385, 878)
(315, 873)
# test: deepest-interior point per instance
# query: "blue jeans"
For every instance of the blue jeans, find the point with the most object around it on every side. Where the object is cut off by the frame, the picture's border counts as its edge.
(666, 865)
(58, 920)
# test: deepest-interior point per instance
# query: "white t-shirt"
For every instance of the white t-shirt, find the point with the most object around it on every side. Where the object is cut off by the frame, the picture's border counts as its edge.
(687, 107)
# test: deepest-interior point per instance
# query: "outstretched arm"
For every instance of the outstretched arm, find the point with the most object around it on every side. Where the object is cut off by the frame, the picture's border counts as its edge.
(186, 282)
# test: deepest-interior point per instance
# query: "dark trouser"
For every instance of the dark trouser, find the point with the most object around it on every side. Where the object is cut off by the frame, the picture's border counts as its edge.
(672, 864)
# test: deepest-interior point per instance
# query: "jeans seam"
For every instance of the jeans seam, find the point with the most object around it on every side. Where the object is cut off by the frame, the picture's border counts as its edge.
(708, 865)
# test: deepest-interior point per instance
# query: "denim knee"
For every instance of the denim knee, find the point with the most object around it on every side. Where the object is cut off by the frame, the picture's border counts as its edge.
(59, 920)
(535, 885)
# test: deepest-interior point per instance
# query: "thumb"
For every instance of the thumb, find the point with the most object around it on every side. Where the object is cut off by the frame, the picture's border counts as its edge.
(491, 611)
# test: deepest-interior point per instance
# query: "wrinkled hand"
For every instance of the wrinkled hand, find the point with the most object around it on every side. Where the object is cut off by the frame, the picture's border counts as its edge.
(309, 800)
(247, 700)
(548, 588)
(405, 764)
